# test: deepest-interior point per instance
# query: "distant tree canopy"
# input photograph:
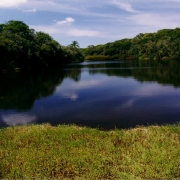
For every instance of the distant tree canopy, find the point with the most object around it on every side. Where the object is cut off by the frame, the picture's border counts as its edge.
(163, 45)
(22, 47)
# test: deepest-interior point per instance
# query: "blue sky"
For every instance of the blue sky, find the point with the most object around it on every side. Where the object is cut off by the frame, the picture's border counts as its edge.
(93, 22)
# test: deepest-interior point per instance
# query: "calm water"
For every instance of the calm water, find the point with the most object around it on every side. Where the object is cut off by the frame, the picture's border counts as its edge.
(112, 94)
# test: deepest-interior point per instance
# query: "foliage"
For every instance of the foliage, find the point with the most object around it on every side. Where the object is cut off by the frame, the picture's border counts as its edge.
(96, 58)
(75, 44)
(22, 47)
(73, 53)
(162, 45)
(71, 152)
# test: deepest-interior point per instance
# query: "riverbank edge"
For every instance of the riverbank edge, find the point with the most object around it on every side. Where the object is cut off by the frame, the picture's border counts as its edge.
(70, 151)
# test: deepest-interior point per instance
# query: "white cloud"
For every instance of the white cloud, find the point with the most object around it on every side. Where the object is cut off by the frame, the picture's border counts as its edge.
(83, 32)
(55, 29)
(30, 10)
(18, 119)
(11, 3)
(64, 6)
(124, 6)
(154, 19)
(68, 20)
(48, 29)
(49, 6)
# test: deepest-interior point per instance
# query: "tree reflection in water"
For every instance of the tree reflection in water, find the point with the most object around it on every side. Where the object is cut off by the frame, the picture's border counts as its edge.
(18, 91)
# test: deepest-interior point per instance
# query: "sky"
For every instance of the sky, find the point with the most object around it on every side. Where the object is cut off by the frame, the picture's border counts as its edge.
(93, 22)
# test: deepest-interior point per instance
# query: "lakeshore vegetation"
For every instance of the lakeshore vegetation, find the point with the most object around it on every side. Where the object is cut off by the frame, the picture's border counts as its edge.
(162, 45)
(24, 48)
(72, 152)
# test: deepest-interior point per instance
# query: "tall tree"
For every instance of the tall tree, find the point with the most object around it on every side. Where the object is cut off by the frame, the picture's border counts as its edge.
(75, 44)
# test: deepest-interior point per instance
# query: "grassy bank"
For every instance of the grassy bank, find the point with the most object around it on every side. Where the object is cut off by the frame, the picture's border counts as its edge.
(44, 151)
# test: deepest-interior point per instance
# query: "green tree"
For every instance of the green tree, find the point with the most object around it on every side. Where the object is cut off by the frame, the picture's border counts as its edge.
(22, 47)
(75, 44)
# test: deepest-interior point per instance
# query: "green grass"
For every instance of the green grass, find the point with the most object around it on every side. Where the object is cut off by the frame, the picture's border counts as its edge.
(72, 152)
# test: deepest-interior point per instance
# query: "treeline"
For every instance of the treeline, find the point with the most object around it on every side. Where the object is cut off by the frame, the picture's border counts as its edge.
(163, 45)
(22, 47)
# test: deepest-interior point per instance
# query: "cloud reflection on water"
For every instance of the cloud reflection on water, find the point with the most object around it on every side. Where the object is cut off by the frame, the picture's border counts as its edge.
(70, 90)
(18, 119)
(126, 104)
(153, 89)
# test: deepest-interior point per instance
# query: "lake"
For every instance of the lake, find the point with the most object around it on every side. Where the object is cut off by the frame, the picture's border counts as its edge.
(107, 95)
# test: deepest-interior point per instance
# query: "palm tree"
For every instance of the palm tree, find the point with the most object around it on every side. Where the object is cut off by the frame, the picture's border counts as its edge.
(75, 44)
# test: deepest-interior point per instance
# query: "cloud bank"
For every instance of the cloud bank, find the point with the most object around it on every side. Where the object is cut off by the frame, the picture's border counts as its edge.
(11, 3)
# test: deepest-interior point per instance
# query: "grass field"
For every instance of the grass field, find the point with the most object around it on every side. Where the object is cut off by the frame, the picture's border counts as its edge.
(72, 152)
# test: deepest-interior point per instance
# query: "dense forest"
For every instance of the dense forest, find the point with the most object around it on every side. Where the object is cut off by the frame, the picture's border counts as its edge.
(162, 45)
(24, 48)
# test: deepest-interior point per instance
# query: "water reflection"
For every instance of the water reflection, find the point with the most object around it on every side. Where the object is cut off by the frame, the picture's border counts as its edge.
(97, 94)
(18, 119)
(18, 91)
(150, 71)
